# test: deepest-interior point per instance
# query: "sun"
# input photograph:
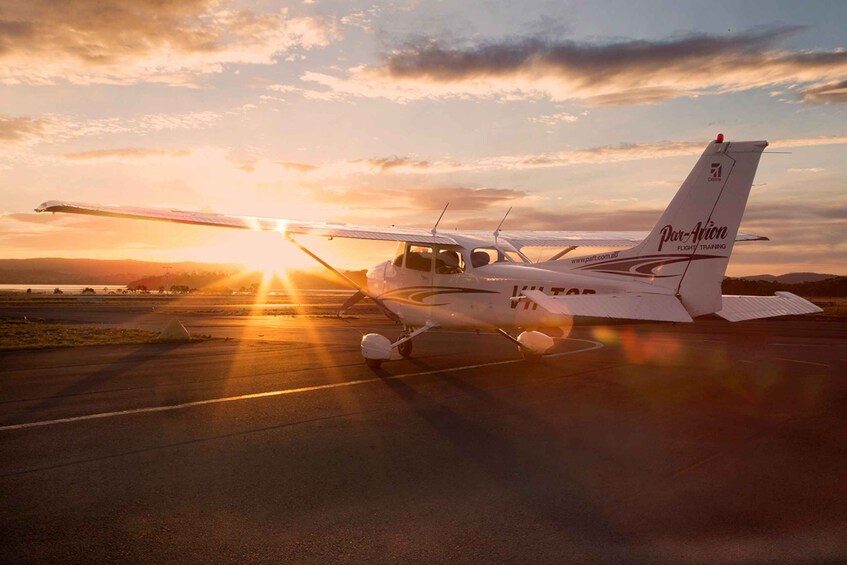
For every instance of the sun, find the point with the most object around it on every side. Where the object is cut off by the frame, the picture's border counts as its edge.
(266, 252)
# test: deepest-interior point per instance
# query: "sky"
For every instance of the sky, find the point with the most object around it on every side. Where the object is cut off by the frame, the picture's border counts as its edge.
(578, 115)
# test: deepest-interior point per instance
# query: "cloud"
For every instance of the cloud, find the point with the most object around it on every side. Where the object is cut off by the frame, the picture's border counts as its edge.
(806, 170)
(552, 120)
(809, 141)
(118, 42)
(406, 199)
(363, 19)
(834, 93)
(124, 153)
(461, 198)
(298, 167)
(599, 155)
(388, 163)
(593, 155)
(595, 74)
(25, 130)
(599, 219)
(22, 129)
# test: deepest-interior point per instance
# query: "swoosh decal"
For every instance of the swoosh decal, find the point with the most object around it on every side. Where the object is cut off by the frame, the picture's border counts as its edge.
(415, 295)
(644, 266)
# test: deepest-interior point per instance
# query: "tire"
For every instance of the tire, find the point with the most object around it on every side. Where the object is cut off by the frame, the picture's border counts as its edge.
(373, 364)
(405, 349)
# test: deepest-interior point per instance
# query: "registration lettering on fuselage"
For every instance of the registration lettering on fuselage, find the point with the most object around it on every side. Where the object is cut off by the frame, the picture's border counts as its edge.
(555, 291)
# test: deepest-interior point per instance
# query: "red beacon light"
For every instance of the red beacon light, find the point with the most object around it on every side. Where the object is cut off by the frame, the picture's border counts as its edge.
(719, 139)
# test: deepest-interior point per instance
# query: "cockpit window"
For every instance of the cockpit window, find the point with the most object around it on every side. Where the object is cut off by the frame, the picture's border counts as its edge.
(419, 258)
(399, 254)
(449, 262)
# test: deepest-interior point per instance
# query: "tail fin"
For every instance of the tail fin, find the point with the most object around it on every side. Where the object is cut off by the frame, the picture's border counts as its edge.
(689, 248)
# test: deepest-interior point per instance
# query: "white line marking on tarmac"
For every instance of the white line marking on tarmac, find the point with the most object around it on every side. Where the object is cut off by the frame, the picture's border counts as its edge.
(100, 415)
(830, 345)
(803, 362)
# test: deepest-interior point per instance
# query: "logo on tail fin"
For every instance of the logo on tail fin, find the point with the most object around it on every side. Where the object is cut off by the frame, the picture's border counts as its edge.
(698, 234)
(715, 172)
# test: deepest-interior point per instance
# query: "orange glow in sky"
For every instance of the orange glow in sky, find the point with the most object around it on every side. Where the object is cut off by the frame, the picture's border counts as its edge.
(381, 114)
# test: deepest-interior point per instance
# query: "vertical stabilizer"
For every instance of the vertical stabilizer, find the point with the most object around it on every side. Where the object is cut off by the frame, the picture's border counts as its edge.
(689, 248)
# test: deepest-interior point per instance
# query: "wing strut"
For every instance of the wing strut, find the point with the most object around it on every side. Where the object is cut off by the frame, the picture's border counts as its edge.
(562, 253)
(362, 290)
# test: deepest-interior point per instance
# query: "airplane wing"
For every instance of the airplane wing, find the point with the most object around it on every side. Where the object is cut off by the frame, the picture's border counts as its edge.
(517, 239)
(641, 306)
(328, 229)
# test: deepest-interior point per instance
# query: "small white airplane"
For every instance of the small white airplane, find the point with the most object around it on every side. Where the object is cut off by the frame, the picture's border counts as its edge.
(477, 280)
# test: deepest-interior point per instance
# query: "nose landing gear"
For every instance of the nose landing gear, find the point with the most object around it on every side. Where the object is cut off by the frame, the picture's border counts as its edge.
(405, 347)
(377, 348)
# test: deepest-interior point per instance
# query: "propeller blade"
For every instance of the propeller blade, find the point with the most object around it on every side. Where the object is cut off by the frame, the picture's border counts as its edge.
(354, 299)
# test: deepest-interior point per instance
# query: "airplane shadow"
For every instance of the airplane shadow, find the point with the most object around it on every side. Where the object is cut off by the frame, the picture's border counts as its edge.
(541, 473)
(112, 370)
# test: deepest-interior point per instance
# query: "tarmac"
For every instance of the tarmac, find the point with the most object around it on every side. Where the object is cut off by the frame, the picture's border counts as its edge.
(273, 442)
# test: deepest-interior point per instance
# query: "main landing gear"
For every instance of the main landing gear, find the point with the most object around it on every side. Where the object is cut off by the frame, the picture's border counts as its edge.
(532, 345)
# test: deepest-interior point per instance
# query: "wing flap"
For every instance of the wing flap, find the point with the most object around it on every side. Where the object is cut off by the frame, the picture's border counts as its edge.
(654, 307)
(740, 308)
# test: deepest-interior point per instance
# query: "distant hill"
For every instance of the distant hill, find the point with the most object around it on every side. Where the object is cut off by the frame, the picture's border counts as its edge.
(98, 271)
(247, 281)
(833, 286)
(790, 278)
(150, 274)
(233, 276)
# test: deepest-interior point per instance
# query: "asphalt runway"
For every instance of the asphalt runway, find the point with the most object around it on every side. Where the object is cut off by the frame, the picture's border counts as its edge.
(705, 442)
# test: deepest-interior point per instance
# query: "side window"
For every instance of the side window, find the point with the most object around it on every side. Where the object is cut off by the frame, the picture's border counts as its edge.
(482, 256)
(485, 255)
(449, 262)
(419, 258)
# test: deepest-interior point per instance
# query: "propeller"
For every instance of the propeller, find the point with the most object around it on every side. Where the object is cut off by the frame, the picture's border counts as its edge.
(358, 296)
(354, 299)
(361, 291)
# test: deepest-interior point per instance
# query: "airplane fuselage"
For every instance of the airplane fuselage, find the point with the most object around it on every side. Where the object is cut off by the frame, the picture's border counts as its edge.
(479, 297)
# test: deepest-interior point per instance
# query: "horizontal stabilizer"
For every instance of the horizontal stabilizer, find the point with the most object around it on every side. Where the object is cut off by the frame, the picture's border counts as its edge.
(654, 307)
(739, 308)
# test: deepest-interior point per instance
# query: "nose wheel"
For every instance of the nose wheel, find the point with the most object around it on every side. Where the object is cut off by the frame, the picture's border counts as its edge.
(377, 348)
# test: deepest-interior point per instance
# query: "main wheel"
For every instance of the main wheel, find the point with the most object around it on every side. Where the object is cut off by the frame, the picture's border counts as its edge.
(373, 363)
(405, 348)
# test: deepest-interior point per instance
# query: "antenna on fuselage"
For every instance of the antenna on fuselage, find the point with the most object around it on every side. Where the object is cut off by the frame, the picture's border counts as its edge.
(438, 221)
(497, 231)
